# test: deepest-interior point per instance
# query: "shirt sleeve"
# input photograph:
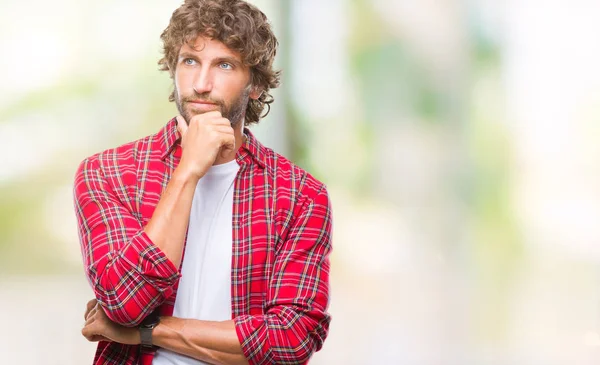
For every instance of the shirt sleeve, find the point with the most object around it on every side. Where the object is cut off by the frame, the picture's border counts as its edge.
(296, 321)
(130, 275)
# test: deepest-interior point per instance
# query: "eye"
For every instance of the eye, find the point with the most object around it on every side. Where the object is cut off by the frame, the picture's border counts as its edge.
(225, 66)
(189, 61)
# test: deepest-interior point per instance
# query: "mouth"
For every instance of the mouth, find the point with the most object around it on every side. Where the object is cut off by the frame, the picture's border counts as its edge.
(202, 106)
(201, 102)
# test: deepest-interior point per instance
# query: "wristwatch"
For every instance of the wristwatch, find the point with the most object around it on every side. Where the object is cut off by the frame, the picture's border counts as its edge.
(146, 328)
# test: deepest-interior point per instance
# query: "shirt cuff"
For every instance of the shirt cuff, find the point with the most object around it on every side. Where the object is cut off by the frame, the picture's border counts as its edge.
(245, 329)
(151, 262)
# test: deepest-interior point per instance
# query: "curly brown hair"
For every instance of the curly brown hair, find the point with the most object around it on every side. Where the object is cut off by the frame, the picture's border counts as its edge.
(242, 27)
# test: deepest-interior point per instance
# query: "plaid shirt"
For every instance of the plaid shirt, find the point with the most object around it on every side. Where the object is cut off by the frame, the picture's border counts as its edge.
(280, 254)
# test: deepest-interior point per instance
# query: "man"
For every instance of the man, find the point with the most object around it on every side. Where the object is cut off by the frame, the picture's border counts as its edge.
(201, 244)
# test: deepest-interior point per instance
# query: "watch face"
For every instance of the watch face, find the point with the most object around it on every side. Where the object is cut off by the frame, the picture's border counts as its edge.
(150, 325)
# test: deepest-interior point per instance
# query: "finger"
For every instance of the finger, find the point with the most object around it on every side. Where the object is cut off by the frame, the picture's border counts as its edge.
(207, 117)
(227, 144)
(210, 115)
(89, 307)
(210, 118)
(90, 319)
(89, 338)
(225, 129)
(91, 314)
(97, 338)
(93, 328)
(224, 136)
(221, 121)
(98, 306)
(87, 332)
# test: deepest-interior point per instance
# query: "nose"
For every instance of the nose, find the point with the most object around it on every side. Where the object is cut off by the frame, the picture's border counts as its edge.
(202, 82)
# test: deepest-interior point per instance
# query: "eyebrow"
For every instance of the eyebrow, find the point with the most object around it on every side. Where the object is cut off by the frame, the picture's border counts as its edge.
(187, 55)
(231, 60)
(227, 59)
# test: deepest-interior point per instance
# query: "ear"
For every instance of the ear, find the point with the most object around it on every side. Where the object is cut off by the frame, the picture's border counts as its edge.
(255, 93)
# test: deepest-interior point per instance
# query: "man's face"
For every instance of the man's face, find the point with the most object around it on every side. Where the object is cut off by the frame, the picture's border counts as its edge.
(209, 76)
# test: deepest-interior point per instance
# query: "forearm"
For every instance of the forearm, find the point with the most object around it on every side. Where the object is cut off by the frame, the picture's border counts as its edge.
(168, 225)
(164, 235)
(129, 274)
(151, 284)
(213, 342)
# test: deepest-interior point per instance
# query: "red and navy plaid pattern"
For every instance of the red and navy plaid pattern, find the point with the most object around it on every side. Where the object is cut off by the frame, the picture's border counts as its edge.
(281, 245)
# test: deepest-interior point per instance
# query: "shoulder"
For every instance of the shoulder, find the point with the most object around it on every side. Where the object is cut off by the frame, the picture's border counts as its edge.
(119, 162)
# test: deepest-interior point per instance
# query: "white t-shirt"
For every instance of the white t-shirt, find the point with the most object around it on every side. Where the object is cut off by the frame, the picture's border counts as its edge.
(204, 290)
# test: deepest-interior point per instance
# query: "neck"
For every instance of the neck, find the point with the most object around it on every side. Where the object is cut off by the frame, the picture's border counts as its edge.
(224, 157)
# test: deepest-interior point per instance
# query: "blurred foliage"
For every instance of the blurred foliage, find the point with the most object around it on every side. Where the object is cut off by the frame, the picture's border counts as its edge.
(419, 158)
(394, 87)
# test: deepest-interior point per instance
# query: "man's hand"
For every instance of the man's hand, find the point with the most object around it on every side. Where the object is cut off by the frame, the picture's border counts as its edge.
(98, 327)
(208, 137)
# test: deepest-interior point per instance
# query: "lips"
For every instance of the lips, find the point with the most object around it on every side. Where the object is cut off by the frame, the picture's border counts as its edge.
(201, 102)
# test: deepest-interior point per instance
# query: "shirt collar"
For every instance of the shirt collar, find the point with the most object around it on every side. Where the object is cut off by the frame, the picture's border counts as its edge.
(251, 149)
(168, 138)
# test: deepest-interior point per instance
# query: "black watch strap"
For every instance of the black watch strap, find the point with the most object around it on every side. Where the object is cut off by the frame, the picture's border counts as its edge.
(146, 329)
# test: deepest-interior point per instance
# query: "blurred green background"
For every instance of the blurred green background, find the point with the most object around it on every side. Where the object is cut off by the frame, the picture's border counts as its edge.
(459, 141)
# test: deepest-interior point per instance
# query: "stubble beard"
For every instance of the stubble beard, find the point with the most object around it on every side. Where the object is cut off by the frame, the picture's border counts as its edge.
(235, 112)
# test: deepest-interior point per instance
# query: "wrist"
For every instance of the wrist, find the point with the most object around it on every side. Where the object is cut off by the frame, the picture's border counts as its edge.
(146, 329)
(135, 336)
(166, 330)
(184, 174)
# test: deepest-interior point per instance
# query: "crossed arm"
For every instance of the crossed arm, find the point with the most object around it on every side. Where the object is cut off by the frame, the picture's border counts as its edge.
(208, 341)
